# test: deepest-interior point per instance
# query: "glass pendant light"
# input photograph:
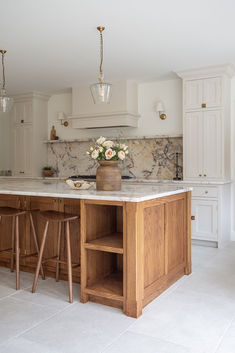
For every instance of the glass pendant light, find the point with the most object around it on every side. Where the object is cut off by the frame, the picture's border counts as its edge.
(5, 102)
(101, 91)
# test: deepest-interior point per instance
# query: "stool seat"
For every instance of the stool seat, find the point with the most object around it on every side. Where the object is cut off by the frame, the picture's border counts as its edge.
(55, 216)
(10, 212)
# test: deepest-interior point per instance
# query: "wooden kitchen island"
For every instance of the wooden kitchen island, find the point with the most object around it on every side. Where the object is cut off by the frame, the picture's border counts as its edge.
(131, 245)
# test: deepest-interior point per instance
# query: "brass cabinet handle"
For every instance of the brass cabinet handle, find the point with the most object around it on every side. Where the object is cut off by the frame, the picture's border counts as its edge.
(60, 200)
(203, 105)
(193, 218)
(55, 200)
(22, 121)
(21, 172)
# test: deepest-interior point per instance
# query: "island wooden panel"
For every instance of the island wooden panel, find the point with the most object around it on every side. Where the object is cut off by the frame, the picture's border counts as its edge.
(130, 252)
(156, 250)
(26, 240)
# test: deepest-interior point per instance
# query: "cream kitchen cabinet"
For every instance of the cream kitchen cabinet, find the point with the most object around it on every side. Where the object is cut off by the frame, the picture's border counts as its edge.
(203, 141)
(204, 219)
(22, 139)
(207, 122)
(203, 93)
(29, 130)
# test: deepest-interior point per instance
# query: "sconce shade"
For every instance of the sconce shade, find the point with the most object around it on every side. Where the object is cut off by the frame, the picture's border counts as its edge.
(160, 107)
(61, 116)
(101, 92)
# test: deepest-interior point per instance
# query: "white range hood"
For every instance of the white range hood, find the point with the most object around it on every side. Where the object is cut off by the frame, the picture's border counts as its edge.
(122, 110)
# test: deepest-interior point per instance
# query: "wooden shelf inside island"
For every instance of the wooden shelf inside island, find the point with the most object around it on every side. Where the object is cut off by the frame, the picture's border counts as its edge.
(110, 287)
(110, 243)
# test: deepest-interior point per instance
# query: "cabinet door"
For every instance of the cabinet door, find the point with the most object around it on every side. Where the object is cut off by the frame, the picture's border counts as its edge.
(204, 227)
(193, 145)
(22, 147)
(212, 93)
(23, 112)
(212, 144)
(193, 94)
(18, 150)
(27, 149)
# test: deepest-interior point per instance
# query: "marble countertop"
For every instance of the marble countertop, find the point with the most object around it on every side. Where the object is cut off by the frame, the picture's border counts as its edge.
(133, 180)
(135, 192)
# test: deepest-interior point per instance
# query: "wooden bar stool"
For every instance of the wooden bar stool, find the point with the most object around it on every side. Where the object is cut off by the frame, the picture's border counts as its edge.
(59, 217)
(14, 214)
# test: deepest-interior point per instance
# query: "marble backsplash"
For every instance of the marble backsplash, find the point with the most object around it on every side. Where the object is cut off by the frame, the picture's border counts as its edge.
(149, 158)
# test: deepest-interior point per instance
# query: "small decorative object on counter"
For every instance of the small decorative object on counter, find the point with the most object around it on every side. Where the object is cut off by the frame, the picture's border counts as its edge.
(48, 172)
(108, 154)
(53, 134)
(79, 184)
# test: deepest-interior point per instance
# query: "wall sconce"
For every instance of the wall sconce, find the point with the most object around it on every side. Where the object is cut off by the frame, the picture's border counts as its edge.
(62, 117)
(160, 109)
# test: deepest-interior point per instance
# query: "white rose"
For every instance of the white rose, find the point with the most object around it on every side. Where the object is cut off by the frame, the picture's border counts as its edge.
(121, 155)
(91, 148)
(101, 149)
(100, 140)
(87, 152)
(109, 153)
(126, 151)
(95, 154)
(108, 144)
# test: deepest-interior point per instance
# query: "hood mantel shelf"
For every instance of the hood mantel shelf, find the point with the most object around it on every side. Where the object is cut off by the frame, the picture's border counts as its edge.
(102, 120)
(122, 111)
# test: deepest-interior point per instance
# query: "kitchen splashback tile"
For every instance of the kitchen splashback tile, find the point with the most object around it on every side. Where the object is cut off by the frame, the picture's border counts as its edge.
(149, 158)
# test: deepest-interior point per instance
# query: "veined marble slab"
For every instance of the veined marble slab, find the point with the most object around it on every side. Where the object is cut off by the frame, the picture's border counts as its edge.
(130, 192)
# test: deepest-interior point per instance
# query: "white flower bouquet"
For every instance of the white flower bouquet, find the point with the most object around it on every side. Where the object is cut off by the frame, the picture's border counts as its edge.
(106, 150)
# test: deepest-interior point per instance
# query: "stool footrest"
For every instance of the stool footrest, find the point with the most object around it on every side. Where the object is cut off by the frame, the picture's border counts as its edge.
(55, 259)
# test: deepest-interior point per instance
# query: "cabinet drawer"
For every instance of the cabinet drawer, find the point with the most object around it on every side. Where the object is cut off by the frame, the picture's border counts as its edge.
(203, 191)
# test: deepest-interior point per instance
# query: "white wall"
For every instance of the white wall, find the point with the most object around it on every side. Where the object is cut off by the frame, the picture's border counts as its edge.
(233, 157)
(170, 92)
(4, 141)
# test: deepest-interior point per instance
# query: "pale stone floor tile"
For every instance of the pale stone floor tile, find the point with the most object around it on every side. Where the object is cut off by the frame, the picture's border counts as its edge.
(85, 328)
(50, 293)
(194, 315)
(131, 342)
(227, 344)
(193, 320)
(17, 316)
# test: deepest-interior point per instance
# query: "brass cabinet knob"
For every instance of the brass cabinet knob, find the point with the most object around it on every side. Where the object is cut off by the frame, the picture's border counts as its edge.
(21, 172)
(200, 175)
(60, 200)
(206, 192)
(203, 105)
(22, 121)
(204, 175)
(54, 200)
(193, 218)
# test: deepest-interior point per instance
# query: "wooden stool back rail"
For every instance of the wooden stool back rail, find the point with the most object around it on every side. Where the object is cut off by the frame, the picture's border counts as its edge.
(59, 217)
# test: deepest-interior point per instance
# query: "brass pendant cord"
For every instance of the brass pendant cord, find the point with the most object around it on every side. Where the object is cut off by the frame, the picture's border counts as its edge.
(3, 71)
(101, 57)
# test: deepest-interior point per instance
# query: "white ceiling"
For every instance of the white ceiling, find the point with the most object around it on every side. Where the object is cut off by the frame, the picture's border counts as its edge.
(54, 44)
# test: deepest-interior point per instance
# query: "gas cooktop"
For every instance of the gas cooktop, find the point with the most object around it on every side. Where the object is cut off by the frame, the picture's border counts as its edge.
(94, 177)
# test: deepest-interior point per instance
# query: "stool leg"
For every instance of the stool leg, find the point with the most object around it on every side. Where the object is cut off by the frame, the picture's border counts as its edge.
(17, 255)
(69, 263)
(40, 258)
(12, 244)
(58, 254)
(36, 242)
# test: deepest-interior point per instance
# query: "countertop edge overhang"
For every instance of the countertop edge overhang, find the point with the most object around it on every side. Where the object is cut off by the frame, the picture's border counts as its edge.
(98, 195)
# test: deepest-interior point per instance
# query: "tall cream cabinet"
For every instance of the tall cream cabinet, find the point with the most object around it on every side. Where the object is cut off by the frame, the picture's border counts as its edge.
(206, 150)
(29, 130)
